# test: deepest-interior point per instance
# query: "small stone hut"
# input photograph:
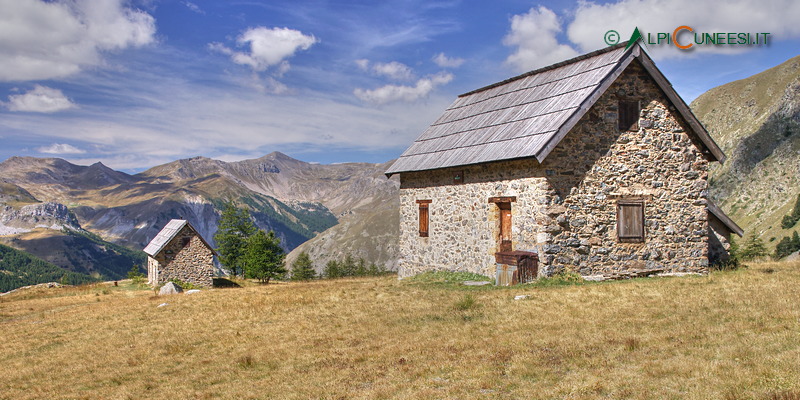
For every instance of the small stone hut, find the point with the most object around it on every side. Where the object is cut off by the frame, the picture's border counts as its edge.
(593, 165)
(179, 252)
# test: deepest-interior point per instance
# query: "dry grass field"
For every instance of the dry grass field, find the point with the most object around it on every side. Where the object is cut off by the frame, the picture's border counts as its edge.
(729, 335)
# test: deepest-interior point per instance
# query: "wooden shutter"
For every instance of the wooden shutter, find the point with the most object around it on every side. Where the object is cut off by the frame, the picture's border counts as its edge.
(630, 221)
(628, 115)
(423, 217)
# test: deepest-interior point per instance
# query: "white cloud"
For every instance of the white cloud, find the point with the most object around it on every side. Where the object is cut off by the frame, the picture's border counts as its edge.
(267, 47)
(60, 148)
(47, 40)
(363, 64)
(41, 99)
(534, 36)
(164, 112)
(398, 93)
(778, 17)
(194, 7)
(446, 62)
(394, 70)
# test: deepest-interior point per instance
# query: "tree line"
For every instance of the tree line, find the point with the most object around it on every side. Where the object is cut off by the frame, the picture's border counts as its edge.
(244, 250)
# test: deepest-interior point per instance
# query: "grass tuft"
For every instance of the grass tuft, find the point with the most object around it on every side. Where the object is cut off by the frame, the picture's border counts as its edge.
(466, 303)
(246, 361)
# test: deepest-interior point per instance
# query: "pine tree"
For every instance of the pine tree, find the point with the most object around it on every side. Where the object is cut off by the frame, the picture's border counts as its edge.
(263, 257)
(753, 248)
(783, 248)
(796, 211)
(348, 266)
(790, 219)
(302, 268)
(332, 270)
(235, 228)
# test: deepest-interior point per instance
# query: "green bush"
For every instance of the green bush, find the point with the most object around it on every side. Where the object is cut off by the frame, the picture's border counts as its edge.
(136, 275)
(185, 285)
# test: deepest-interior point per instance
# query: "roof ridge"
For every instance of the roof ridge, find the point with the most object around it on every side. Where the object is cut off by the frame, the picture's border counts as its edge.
(547, 68)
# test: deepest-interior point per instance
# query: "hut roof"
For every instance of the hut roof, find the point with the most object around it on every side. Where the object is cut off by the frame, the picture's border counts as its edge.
(717, 212)
(528, 115)
(167, 234)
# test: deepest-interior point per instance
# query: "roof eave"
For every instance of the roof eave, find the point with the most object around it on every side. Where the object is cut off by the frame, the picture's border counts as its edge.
(724, 218)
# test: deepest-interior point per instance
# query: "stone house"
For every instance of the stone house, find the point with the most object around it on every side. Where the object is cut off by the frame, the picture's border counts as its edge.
(593, 165)
(179, 252)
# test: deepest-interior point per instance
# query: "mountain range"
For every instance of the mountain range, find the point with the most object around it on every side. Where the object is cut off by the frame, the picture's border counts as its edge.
(47, 201)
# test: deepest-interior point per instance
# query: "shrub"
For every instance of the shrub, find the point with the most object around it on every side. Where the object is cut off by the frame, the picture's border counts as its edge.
(136, 275)
(184, 285)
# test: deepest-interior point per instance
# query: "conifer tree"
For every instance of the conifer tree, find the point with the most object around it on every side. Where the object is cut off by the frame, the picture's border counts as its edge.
(332, 270)
(753, 248)
(263, 257)
(790, 219)
(235, 228)
(302, 268)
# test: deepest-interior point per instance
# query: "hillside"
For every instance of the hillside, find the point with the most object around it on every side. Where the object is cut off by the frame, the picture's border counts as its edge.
(370, 234)
(18, 268)
(729, 335)
(756, 121)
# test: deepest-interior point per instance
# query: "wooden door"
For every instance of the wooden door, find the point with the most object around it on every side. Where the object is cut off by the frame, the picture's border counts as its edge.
(505, 226)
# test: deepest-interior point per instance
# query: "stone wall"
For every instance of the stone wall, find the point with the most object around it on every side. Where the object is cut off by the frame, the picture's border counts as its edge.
(191, 263)
(565, 208)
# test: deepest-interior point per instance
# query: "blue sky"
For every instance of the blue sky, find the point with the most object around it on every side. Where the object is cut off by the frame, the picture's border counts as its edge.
(138, 83)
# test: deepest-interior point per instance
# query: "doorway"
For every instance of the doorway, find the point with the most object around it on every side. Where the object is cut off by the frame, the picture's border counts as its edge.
(505, 226)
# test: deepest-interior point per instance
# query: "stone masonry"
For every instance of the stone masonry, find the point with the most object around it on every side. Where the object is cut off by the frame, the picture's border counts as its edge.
(186, 257)
(565, 208)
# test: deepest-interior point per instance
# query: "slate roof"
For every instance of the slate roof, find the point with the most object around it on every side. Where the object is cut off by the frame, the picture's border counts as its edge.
(528, 115)
(167, 234)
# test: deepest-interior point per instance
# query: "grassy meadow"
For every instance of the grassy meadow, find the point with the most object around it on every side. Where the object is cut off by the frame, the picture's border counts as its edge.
(729, 335)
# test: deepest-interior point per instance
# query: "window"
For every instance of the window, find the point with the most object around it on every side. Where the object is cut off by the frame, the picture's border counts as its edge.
(628, 115)
(185, 241)
(423, 217)
(630, 221)
(458, 177)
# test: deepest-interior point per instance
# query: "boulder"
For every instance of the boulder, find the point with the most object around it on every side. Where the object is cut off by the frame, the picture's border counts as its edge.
(170, 288)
